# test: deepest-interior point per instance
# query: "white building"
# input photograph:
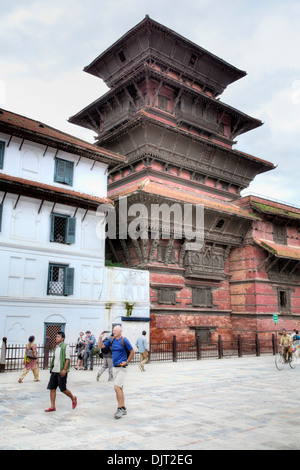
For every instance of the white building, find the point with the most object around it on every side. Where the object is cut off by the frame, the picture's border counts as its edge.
(53, 190)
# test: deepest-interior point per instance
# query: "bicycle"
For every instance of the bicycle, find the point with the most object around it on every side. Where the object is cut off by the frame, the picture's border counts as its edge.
(280, 361)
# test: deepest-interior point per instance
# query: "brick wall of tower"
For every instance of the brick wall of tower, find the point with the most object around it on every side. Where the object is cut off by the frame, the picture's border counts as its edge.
(254, 298)
(182, 319)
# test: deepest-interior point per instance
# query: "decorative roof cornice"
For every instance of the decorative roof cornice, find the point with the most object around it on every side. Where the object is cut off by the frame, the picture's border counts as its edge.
(48, 192)
(154, 188)
(144, 114)
(35, 131)
(145, 68)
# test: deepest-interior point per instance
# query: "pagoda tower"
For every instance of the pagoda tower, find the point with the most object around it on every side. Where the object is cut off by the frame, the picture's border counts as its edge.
(164, 114)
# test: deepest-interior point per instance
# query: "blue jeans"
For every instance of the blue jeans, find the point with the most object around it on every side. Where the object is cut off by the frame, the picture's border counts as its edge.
(88, 355)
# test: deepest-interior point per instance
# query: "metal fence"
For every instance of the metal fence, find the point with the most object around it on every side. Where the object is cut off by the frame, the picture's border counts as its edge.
(12, 356)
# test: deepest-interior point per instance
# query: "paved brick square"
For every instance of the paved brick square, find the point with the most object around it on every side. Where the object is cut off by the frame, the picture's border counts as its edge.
(238, 403)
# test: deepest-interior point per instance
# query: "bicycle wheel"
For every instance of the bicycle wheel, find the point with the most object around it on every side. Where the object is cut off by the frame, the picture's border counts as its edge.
(293, 362)
(279, 361)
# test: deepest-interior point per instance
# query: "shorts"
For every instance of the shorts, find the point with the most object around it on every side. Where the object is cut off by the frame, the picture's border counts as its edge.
(119, 376)
(56, 380)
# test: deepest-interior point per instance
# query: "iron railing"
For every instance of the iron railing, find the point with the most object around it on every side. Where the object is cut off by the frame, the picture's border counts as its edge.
(12, 355)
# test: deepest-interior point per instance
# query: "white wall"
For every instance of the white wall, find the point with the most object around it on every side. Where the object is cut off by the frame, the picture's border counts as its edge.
(23, 316)
(31, 163)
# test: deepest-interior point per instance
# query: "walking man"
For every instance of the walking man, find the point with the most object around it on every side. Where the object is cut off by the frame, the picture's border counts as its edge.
(119, 347)
(88, 355)
(107, 361)
(141, 344)
(59, 368)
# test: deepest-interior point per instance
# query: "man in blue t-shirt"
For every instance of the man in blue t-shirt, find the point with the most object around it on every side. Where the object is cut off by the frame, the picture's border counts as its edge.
(118, 346)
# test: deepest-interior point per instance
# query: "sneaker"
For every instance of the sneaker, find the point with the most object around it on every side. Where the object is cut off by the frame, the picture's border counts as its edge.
(118, 414)
(140, 367)
(124, 411)
(98, 376)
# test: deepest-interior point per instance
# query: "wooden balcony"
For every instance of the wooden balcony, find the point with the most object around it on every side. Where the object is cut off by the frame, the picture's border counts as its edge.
(183, 116)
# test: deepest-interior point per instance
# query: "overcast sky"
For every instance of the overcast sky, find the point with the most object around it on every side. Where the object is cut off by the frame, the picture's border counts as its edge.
(45, 44)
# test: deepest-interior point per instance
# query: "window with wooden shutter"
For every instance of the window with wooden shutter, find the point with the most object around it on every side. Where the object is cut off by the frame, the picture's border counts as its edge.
(56, 279)
(70, 230)
(284, 300)
(69, 281)
(62, 229)
(279, 234)
(63, 172)
(163, 102)
(167, 296)
(202, 297)
(2, 149)
(60, 280)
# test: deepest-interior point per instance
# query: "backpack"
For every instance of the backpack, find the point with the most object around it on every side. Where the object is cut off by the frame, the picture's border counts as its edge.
(123, 344)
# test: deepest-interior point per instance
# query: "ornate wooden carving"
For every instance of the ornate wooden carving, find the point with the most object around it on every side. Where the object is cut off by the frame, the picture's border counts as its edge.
(206, 263)
(153, 248)
(144, 244)
(168, 251)
(138, 251)
(125, 251)
(182, 253)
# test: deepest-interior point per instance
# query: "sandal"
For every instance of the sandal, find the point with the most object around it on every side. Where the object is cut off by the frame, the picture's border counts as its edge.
(74, 403)
(20, 381)
(50, 409)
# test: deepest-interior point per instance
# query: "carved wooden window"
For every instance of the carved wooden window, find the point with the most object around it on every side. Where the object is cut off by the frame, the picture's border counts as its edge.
(220, 224)
(187, 104)
(167, 296)
(163, 102)
(193, 59)
(207, 154)
(279, 234)
(202, 297)
(284, 300)
(122, 56)
(222, 128)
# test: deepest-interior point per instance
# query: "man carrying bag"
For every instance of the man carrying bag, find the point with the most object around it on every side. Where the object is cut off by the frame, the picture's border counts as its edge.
(122, 354)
